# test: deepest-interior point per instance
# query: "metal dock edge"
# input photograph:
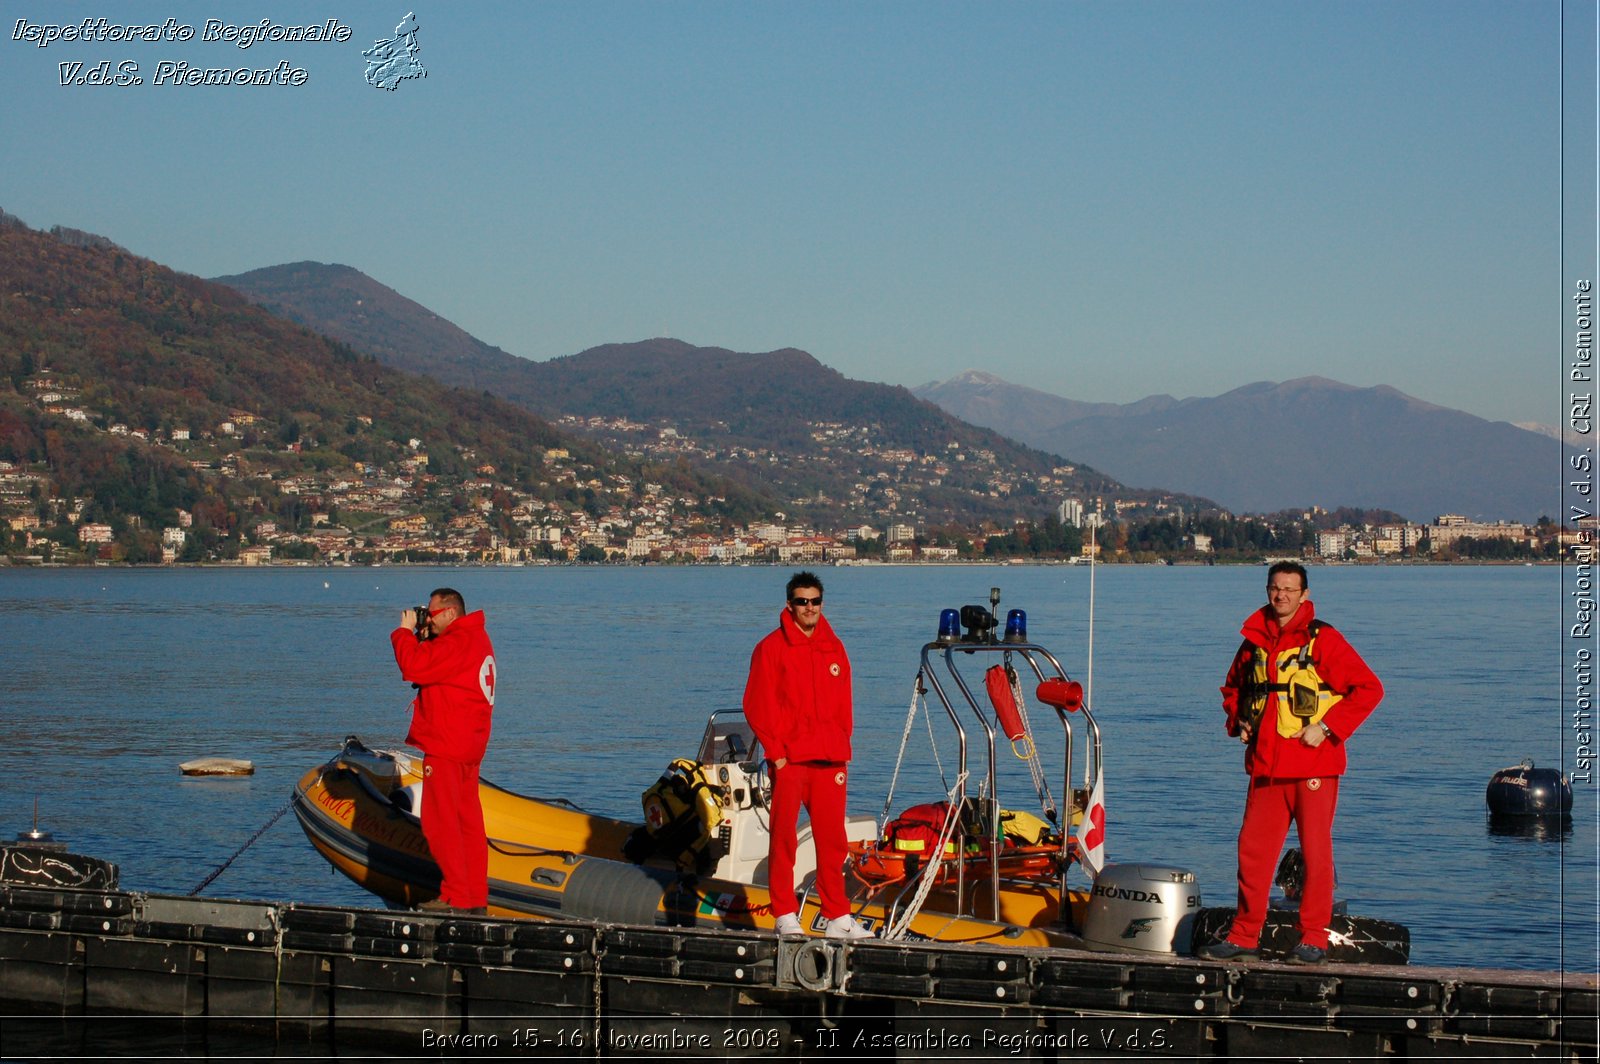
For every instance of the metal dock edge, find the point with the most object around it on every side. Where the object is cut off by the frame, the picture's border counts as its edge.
(313, 976)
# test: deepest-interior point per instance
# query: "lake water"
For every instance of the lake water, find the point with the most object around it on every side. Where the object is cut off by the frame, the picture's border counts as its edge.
(113, 677)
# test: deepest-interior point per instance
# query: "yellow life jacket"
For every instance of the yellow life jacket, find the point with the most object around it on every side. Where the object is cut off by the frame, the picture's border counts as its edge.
(683, 814)
(1303, 699)
(1026, 829)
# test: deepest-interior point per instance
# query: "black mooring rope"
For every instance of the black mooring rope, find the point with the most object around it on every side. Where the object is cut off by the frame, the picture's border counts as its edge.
(223, 867)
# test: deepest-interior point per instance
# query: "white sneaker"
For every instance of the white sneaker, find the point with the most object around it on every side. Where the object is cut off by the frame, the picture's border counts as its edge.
(846, 927)
(789, 924)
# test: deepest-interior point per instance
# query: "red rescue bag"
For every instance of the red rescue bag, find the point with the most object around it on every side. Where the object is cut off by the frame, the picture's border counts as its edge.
(998, 680)
(917, 829)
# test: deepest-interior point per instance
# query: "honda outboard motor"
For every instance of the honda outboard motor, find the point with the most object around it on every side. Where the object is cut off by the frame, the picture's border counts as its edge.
(1141, 908)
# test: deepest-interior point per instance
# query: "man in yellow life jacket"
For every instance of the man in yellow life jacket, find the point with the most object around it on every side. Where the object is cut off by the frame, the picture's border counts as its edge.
(1294, 695)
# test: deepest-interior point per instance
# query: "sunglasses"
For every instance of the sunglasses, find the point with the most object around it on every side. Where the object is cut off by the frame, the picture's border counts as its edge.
(797, 602)
(441, 609)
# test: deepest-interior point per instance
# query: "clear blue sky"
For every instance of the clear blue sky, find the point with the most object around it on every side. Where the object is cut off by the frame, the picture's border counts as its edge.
(1099, 200)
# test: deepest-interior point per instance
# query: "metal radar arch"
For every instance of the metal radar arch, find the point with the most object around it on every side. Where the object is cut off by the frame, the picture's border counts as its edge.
(970, 643)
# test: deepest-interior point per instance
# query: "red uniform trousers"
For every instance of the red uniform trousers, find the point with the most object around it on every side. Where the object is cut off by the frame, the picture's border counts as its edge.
(452, 822)
(1271, 805)
(820, 786)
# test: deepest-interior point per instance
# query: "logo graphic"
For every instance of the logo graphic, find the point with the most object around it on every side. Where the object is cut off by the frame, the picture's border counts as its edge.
(1138, 927)
(838, 777)
(655, 813)
(711, 906)
(1314, 784)
(393, 61)
(486, 679)
(834, 668)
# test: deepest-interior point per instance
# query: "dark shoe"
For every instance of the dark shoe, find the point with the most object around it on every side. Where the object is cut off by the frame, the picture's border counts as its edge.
(478, 910)
(1227, 951)
(1304, 954)
(435, 905)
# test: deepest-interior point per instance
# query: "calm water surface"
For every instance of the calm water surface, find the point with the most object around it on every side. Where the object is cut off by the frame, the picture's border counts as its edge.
(113, 677)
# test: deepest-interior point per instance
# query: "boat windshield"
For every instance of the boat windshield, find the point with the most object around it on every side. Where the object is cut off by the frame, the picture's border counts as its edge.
(728, 739)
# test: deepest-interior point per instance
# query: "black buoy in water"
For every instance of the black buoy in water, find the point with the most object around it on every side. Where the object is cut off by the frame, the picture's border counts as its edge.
(1525, 791)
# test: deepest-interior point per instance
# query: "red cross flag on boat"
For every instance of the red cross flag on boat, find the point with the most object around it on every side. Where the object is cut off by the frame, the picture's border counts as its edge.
(1092, 829)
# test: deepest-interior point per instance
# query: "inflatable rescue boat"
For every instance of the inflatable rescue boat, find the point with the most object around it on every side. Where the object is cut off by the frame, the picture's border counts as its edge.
(549, 859)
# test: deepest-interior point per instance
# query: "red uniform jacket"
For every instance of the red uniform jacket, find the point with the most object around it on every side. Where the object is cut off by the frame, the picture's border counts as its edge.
(450, 716)
(797, 698)
(1341, 668)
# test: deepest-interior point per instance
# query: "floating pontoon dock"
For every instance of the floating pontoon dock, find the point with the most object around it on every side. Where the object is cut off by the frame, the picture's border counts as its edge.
(313, 977)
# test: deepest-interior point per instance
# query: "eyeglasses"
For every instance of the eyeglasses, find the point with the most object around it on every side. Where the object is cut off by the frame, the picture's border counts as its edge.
(798, 603)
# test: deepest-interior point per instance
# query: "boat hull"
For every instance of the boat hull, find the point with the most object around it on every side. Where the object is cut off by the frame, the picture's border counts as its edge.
(548, 860)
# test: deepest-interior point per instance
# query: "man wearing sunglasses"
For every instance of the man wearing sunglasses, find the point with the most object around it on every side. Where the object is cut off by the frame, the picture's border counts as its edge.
(451, 663)
(797, 701)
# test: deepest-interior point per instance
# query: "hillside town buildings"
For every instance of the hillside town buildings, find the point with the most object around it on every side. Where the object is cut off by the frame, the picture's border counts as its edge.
(376, 512)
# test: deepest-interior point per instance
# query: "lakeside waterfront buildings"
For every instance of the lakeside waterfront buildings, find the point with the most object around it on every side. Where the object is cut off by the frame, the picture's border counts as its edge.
(372, 517)
(372, 511)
